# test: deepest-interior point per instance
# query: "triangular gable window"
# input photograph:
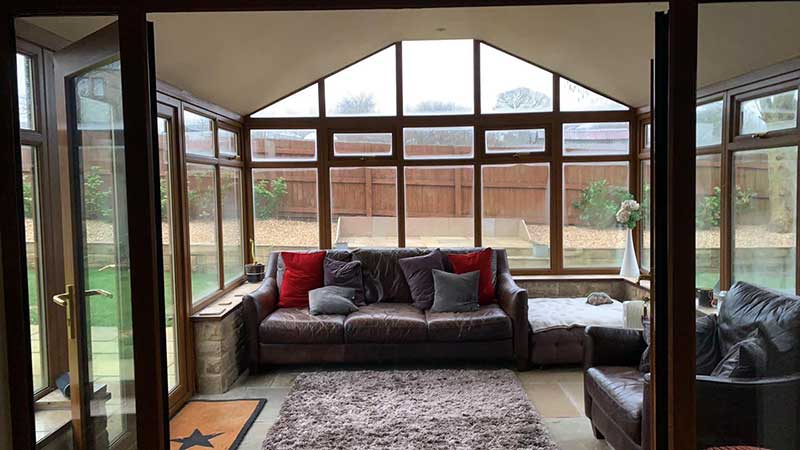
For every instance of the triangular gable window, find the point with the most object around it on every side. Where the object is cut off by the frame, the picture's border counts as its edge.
(304, 103)
(575, 97)
(367, 88)
(511, 85)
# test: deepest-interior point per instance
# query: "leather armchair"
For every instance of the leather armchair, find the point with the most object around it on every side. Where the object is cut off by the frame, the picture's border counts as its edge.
(762, 411)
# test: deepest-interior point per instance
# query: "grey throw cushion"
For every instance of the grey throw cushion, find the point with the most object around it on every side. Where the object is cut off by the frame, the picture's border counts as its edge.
(455, 292)
(644, 362)
(746, 359)
(599, 298)
(332, 300)
(418, 271)
(345, 274)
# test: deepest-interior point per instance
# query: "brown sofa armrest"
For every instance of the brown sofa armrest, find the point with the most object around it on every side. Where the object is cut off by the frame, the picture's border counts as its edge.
(256, 306)
(514, 302)
(612, 347)
(758, 411)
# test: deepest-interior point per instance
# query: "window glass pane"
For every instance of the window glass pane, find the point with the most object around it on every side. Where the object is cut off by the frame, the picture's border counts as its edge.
(199, 134)
(170, 318)
(707, 219)
(452, 142)
(201, 189)
(516, 213)
(592, 193)
(575, 97)
(764, 217)
(27, 116)
(304, 103)
(362, 144)
(364, 207)
(438, 77)
(283, 145)
(648, 135)
(644, 224)
(709, 124)
(232, 242)
(367, 88)
(515, 141)
(770, 113)
(602, 138)
(439, 207)
(30, 200)
(511, 85)
(228, 142)
(285, 210)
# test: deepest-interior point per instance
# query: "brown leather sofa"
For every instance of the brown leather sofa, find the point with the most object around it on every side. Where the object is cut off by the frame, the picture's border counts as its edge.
(762, 411)
(386, 331)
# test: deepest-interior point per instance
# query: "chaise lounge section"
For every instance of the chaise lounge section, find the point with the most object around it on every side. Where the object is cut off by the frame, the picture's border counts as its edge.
(391, 330)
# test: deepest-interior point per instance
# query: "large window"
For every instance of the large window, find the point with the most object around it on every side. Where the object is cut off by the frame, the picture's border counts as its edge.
(232, 231)
(439, 206)
(285, 210)
(708, 217)
(366, 88)
(438, 77)
(364, 207)
(30, 199)
(25, 92)
(770, 113)
(214, 192)
(516, 213)
(201, 187)
(464, 148)
(592, 193)
(764, 217)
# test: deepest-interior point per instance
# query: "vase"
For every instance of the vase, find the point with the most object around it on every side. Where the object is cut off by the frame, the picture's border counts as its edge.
(630, 267)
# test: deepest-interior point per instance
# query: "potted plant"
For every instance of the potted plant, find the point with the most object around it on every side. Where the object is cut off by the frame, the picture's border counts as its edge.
(255, 270)
(628, 215)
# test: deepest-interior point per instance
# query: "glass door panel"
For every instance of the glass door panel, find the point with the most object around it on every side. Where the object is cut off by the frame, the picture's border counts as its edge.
(165, 136)
(99, 146)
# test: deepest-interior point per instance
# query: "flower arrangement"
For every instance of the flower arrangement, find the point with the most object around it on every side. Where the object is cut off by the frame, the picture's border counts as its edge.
(630, 212)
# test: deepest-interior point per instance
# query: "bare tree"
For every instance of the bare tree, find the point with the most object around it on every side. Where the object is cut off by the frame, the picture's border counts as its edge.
(361, 103)
(522, 98)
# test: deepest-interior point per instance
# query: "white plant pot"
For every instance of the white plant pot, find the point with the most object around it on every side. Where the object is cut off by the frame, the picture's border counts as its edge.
(630, 267)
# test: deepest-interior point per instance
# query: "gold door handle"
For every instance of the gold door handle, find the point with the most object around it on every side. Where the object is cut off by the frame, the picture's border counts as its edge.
(65, 300)
(102, 292)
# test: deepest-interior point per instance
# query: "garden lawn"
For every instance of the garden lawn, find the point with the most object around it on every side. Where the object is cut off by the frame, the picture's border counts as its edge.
(103, 311)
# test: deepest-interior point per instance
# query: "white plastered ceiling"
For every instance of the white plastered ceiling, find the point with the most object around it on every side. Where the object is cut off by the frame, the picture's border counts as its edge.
(243, 61)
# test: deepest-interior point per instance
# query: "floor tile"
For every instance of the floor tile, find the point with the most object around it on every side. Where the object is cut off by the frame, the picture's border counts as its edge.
(551, 401)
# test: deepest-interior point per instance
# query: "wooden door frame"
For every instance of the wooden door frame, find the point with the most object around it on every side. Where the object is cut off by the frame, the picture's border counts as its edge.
(185, 387)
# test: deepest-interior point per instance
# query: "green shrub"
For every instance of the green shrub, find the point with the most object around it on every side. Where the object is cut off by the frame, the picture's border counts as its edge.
(707, 211)
(599, 204)
(96, 199)
(268, 197)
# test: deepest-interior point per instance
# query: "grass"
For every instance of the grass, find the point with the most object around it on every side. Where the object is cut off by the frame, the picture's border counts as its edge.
(104, 311)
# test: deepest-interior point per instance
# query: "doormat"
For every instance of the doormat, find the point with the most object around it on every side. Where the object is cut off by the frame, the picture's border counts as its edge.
(218, 424)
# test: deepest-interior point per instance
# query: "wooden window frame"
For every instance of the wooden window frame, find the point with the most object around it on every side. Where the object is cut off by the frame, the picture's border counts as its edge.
(552, 122)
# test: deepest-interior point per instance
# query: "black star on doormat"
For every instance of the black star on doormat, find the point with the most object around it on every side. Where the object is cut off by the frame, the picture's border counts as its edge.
(196, 439)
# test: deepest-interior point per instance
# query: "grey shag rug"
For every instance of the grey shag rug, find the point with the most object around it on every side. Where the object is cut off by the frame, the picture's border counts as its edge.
(408, 409)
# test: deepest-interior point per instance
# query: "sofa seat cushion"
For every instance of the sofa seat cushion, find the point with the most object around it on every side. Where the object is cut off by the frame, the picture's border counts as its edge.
(619, 391)
(393, 323)
(298, 326)
(488, 323)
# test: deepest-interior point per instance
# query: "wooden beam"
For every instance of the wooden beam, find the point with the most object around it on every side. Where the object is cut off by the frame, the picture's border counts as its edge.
(12, 248)
(146, 264)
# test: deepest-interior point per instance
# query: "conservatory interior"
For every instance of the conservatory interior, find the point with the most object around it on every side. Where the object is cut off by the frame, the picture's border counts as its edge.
(521, 129)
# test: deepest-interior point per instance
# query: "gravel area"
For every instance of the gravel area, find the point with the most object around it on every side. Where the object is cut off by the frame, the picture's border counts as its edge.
(301, 233)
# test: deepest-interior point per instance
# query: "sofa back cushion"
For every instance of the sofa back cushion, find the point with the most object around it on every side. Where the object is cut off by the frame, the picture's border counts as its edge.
(748, 308)
(383, 278)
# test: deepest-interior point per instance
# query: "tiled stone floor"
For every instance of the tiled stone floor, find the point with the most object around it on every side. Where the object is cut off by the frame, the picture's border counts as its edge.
(556, 393)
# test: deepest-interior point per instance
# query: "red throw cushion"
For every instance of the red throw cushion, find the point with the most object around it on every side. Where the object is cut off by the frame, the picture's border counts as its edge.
(470, 262)
(303, 273)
